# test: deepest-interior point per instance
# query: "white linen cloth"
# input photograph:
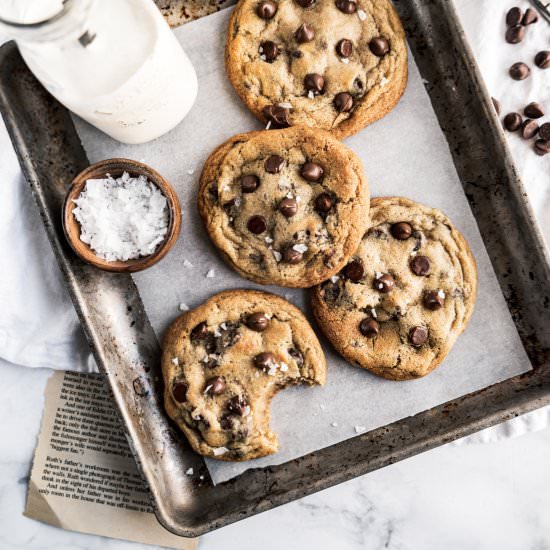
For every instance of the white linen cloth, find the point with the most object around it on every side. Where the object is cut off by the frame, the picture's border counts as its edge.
(38, 326)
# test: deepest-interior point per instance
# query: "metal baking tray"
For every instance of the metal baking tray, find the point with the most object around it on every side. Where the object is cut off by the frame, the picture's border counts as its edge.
(127, 351)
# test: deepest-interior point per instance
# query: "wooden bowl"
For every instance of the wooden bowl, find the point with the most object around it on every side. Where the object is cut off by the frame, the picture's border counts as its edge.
(115, 167)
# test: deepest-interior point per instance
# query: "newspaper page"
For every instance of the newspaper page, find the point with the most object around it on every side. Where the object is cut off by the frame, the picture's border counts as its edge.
(84, 477)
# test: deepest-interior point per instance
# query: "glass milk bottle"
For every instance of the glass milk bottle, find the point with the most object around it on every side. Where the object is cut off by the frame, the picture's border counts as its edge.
(115, 63)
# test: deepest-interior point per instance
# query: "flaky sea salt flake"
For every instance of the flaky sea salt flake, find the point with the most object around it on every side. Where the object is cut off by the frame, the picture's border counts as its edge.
(210, 274)
(361, 14)
(189, 471)
(183, 307)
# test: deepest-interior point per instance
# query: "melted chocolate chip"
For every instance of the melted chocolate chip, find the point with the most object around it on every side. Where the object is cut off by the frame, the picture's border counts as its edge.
(311, 172)
(200, 332)
(346, 6)
(420, 265)
(401, 231)
(291, 256)
(257, 321)
(277, 115)
(228, 206)
(379, 46)
(297, 356)
(215, 385)
(249, 183)
(179, 391)
(344, 48)
(266, 9)
(256, 225)
(384, 283)
(269, 50)
(264, 361)
(237, 405)
(211, 362)
(323, 203)
(343, 102)
(304, 33)
(369, 328)
(305, 3)
(229, 336)
(418, 336)
(314, 82)
(354, 271)
(433, 300)
(288, 207)
(274, 164)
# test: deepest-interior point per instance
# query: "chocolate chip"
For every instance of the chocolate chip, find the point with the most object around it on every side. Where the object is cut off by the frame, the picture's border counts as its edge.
(311, 172)
(304, 33)
(200, 332)
(433, 300)
(323, 202)
(533, 110)
(277, 115)
(297, 356)
(369, 328)
(274, 164)
(542, 59)
(344, 48)
(215, 385)
(211, 362)
(513, 17)
(288, 207)
(496, 105)
(269, 50)
(515, 34)
(249, 183)
(529, 17)
(346, 6)
(266, 9)
(291, 256)
(420, 265)
(256, 224)
(354, 271)
(179, 391)
(384, 283)
(401, 230)
(379, 46)
(544, 131)
(265, 360)
(297, 54)
(512, 122)
(237, 405)
(529, 129)
(229, 336)
(542, 147)
(314, 82)
(519, 71)
(305, 3)
(343, 102)
(257, 321)
(418, 336)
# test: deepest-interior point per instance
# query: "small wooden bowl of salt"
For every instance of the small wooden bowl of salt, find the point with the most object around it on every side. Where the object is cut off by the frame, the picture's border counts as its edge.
(120, 215)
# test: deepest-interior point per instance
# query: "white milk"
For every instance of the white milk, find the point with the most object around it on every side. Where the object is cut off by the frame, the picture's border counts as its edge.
(133, 80)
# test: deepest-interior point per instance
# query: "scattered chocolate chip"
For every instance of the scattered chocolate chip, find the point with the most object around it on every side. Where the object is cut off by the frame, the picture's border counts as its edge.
(515, 34)
(237, 405)
(433, 300)
(401, 230)
(418, 336)
(529, 129)
(533, 110)
(529, 17)
(542, 59)
(354, 271)
(305, 33)
(346, 6)
(230, 335)
(215, 385)
(544, 131)
(227, 206)
(513, 17)
(358, 83)
(249, 183)
(379, 46)
(496, 105)
(274, 164)
(256, 224)
(343, 102)
(384, 283)
(323, 202)
(297, 356)
(420, 265)
(314, 82)
(297, 54)
(369, 328)
(542, 147)
(257, 321)
(179, 391)
(519, 71)
(265, 360)
(270, 50)
(266, 9)
(305, 3)
(344, 48)
(512, 122)
(288, 207)
(277, 115)
(311, 171)
(291, 256)
(211, 362)
(200, 332)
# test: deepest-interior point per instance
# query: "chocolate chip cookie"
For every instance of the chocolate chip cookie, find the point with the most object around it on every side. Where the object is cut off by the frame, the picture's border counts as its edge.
(224, 361)
(408, 292)
(333, 64)
(287, 207)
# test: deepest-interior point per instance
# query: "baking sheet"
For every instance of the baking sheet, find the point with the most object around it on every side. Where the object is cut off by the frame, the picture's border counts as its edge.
(403, 154)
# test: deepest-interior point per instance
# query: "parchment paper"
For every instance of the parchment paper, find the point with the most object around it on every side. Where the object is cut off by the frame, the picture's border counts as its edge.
(403, 154)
